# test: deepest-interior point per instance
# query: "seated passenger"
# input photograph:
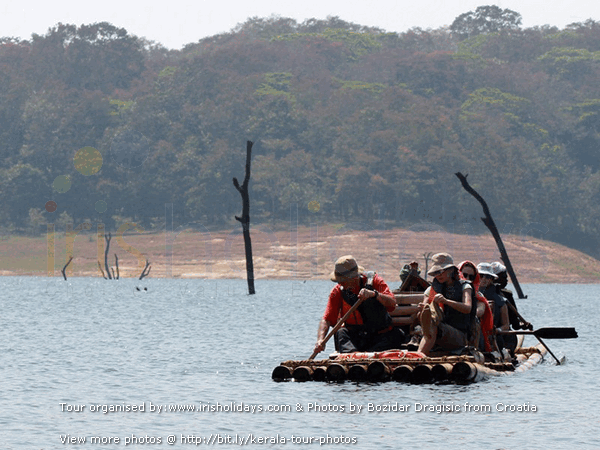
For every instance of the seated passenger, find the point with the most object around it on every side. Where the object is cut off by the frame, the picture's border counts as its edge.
(498, 305)
(452, 295)
(412, 268)
(516, 321)
(487, 341)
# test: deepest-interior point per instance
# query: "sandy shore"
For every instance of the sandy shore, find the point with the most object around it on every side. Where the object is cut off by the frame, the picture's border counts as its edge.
(306, 253)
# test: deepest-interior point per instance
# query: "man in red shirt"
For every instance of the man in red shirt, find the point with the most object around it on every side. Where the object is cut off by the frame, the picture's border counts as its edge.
(369, 328)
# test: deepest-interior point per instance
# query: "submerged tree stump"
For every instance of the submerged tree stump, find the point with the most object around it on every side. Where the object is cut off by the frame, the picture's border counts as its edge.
(245, 218)
(64, 269)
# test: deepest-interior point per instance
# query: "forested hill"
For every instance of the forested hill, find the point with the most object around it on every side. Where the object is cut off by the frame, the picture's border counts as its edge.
(351, 125)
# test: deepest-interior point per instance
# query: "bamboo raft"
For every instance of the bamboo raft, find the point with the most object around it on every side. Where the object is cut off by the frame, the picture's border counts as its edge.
(414, 367)
(409, 369)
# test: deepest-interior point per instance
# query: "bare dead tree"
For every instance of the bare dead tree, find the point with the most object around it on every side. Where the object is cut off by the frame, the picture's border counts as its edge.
(112, 273)
(245, 218)
(146, 270)
(107, 239)
(489, 222)
(65, 268)
(427, 258)
(117, 265)
(101, 271)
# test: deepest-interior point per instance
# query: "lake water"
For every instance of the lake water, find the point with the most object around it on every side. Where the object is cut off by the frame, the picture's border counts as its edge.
(206, 343)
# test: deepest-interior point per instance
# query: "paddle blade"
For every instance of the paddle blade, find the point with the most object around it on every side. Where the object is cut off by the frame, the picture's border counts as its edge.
(556, 333)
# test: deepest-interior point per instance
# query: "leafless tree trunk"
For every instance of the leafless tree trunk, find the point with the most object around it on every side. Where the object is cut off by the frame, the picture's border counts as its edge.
(101, 271)
(245, 218)
(146, 270)
(107, 238)
(117, 264)
(489, 222)
(65, 268)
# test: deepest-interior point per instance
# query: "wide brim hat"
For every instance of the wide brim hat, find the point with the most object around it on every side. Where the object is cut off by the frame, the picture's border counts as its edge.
(486, 269)
(346, 268)
(498, 268)
(440, 261)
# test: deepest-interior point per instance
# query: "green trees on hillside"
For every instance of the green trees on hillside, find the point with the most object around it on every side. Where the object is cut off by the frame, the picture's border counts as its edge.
(485, 20)
(350, 123)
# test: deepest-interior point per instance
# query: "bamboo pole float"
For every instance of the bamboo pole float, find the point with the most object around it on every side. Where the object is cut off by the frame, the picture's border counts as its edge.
(441, 372)
(533, 360)
(336, 372)
(422, 374)
(464, 371)
(281, 373)
(319, 373)
(302, 373)
(357, 372)
(402, 373)
(378, 371)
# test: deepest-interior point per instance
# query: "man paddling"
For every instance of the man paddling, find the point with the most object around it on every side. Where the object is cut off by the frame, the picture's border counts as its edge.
(369, 328)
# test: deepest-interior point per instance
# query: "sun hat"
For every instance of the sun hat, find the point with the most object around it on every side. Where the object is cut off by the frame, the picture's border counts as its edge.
(486, 269)
(498, 268)
(346, 268)
(440, 261)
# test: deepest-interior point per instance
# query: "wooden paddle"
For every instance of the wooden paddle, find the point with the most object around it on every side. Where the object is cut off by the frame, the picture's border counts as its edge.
(338, 325)
(550, 333)
(547, 333)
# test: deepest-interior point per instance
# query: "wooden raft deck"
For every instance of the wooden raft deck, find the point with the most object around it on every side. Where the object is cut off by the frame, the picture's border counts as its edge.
(458, 369)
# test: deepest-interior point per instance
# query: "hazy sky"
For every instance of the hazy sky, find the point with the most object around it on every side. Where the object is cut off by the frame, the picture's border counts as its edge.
(175, 23)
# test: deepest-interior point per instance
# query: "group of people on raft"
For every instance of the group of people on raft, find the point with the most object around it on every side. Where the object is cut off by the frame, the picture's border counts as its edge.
(465, 305)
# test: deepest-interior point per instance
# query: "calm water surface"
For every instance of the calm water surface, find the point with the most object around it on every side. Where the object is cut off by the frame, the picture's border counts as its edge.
(208, 344)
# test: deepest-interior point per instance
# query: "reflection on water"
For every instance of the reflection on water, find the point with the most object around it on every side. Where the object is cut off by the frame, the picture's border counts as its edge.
(205, 342)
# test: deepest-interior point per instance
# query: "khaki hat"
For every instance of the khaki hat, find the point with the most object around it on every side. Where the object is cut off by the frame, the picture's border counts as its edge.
(346, 268)
(498, 268)
(440, 261)
(486, 269)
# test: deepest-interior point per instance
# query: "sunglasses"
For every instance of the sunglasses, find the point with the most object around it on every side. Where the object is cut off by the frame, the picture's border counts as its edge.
(436, 273)
(469, 276)
(489, 277)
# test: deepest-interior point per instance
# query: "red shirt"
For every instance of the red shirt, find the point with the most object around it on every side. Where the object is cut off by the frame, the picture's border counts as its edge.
(337, 307)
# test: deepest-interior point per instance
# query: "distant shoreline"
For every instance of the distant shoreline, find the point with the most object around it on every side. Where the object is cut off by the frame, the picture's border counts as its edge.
(307, 254)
